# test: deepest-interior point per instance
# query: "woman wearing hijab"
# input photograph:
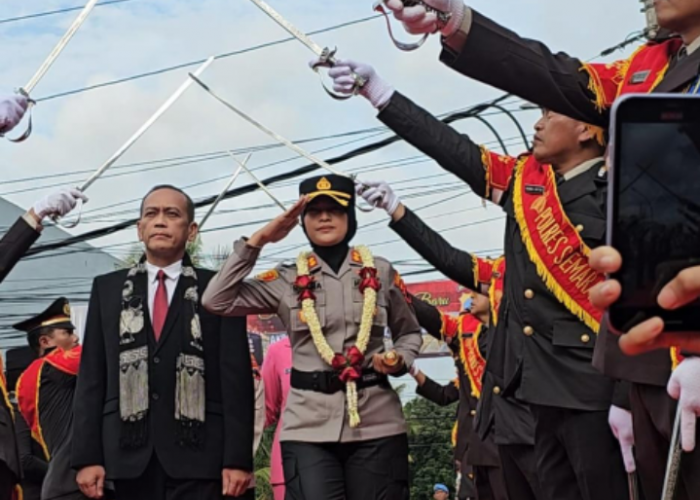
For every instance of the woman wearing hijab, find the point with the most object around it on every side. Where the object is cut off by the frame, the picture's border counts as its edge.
(344, 434)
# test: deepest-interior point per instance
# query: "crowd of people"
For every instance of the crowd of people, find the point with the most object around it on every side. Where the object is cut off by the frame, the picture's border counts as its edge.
(163, 401)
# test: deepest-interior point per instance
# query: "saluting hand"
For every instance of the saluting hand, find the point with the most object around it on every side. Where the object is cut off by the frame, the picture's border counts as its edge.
(418, 21)
(235, 482)
(279, 227)
(648, 335)
(91, 481)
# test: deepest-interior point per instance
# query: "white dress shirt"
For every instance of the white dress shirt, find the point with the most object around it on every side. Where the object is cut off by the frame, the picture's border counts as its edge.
(172, 273)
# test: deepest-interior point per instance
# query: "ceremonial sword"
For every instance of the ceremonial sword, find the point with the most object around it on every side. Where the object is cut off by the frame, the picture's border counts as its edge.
(326, 56)
(137, 135)
(228, 186)
(673, 466)
(34, 80)
(442, 19)
(282, 140)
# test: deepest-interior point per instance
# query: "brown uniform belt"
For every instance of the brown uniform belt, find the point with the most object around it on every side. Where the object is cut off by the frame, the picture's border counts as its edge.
(328, 382)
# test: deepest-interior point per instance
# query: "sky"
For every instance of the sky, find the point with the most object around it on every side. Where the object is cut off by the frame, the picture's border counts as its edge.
(74, 134)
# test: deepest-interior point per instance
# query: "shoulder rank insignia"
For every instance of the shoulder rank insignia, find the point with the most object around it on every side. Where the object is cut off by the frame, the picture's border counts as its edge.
(313, 262)
(355, 257)
(268, 276)
(398, 281)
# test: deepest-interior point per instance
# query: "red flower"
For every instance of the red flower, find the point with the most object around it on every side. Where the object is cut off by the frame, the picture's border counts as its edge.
(339, 362)
(355, 357)
(305, 284)
(369, 279)
(350, 373)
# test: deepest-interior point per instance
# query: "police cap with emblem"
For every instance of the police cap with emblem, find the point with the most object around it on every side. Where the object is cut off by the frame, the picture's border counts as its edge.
(57, 315)
(341, 189)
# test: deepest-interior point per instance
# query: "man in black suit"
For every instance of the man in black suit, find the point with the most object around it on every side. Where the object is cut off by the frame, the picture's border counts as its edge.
(147, 415)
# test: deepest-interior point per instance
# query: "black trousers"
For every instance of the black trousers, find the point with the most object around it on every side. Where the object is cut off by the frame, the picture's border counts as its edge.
(578, 458)
(367, 470)
(519, 471)
(155, 484)
(653, 413)
(489, 483)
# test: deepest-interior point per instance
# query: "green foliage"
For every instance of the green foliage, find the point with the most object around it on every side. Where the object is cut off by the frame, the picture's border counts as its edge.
(430, 446)
(194, 248)
(263, 489)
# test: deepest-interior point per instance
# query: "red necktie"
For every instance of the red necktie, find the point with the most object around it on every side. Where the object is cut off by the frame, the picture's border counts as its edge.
(160, 305)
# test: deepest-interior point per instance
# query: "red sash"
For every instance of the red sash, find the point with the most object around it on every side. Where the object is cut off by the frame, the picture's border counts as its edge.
(29, 385)
(473, 362)
(498, 274)
(552, 242)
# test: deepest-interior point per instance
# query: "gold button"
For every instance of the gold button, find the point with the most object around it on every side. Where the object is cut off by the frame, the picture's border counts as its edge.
(473, 413)
(579, 228)
(529, 294)
(528, 330)
(497, 390)
(585, 338)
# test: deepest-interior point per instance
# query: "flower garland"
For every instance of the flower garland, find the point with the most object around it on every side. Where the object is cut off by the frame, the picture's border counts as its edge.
(349, 365)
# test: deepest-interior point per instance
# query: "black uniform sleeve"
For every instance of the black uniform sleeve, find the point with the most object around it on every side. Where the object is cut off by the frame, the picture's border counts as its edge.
(33, 467)
(14, 244)
(430, 320)
(90, 390)
(527, 68)
(237, 394)
(455, 152)
(442, 395)
(457, 265)
(621, 395)
(483, 341)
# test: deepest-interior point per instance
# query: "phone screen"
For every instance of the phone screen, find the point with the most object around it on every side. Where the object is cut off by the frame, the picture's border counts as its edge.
(656, 209)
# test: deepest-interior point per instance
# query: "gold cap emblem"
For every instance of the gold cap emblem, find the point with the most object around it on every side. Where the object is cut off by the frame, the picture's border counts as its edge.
(66, 309)
(323, 184)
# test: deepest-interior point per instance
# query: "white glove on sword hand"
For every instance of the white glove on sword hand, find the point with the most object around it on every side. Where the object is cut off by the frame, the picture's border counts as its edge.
(378, 194)
(418, 21)
(58, 204)
(12, 109)
(375, 90)
(684, 386)
(620, 421)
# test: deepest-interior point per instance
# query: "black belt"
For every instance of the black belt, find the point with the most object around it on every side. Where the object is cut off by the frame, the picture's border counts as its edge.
(328, 382)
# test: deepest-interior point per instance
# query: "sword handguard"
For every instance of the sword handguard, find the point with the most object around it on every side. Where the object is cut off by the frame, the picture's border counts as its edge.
(442, 19)
(328, 60)
(28, 131)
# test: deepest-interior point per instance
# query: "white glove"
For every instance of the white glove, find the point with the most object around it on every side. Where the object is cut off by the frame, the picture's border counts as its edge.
(375, 90)
(684, 386)
(378, 194)
(620, 421)
(418, 21)
(59, 203)
(12, 109)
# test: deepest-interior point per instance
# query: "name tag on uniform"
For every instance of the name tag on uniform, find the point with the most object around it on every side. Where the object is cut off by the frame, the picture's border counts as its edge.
(640, 77)
(534, 189)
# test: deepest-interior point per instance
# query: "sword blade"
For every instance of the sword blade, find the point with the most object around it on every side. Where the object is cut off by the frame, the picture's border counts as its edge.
(29, 87)
(632, 485)
(282, 140)
(142, 130)
(223, 193)
(258, 182)
(673, 466)
(291, 29)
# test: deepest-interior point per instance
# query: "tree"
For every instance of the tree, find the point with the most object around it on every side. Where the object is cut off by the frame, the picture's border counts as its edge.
(194, 248)
(430, 445)
(263, 489)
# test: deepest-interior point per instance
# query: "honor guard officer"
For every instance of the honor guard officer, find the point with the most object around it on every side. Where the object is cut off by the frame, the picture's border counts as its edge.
(45, 394)
(554, 200)
(344, 433)
(10, 469)
(481, 49)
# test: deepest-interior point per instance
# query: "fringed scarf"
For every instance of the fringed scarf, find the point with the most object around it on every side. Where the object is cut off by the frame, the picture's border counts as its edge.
(133, 362)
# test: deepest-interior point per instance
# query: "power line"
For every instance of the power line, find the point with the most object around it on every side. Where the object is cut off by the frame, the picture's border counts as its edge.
(59, 11)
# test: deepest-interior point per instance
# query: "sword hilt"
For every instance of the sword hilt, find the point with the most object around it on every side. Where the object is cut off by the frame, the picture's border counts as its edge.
(327, 60)
(442, 19)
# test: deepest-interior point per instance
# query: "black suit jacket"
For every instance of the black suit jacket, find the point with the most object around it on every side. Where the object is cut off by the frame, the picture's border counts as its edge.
(228, 439)
(34, 465)
(14, 244)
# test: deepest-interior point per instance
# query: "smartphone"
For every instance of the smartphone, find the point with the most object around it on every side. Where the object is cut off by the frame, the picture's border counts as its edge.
(654, 204)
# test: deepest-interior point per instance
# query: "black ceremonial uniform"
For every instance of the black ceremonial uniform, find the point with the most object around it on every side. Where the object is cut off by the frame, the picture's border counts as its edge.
(509, 419)
(497, 56)
(470, 449)
(548, 350)
(15, 243)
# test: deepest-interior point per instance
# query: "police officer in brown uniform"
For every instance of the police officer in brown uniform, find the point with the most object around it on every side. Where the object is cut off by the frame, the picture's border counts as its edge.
(344, 434)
